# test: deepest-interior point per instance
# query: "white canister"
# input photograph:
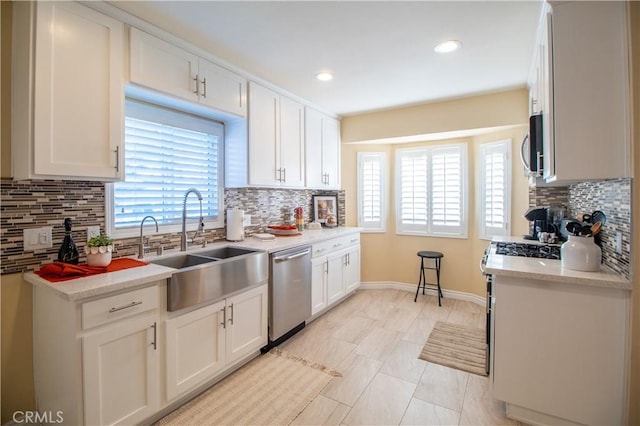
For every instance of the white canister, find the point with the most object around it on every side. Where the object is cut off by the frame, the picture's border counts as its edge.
(235, 225)
(581, 253)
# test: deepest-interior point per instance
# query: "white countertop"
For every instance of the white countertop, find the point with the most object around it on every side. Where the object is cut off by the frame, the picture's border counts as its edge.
(102, 284)
(550, 270)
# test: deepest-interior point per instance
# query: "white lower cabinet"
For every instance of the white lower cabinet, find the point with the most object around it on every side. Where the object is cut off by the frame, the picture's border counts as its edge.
(335, 271)
(120, 379)
(195, 348)
(201, 344)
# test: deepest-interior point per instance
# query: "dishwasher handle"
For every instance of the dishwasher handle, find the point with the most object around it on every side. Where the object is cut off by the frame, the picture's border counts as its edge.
(291, 256)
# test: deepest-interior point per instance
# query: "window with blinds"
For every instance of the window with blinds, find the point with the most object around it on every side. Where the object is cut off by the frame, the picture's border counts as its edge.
(431, 191)
(495, 188)
(166, 153)
(372, 191)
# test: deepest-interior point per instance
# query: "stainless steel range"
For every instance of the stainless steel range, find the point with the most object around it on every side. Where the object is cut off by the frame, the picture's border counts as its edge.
(544, 251)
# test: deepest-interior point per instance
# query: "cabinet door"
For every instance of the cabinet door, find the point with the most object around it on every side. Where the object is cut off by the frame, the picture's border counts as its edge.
(313, 148)
(159, 65)
(331, 152)
(264, 136)
(195, 348)
(352, 270)
(78, 93)
(291, 143)
(335, 281)
(318, 284)
(222, 89)
(246, 323)
(120, 372)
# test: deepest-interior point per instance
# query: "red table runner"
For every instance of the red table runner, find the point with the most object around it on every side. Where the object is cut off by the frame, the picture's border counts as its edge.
(58, 271)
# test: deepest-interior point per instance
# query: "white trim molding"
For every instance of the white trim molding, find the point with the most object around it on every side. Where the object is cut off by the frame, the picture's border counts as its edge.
(431, 290)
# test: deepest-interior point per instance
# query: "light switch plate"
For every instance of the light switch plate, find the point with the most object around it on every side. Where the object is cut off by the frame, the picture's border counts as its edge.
(92, 231)
(247, 220)
(37, 238)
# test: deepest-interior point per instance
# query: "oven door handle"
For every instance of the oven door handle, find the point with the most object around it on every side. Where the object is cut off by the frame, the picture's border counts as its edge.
(291, 257)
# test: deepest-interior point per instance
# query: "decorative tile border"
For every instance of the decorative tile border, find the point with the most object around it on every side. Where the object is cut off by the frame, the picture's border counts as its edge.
(38, 203)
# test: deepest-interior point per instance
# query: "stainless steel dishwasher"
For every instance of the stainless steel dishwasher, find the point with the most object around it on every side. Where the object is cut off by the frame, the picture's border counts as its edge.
(289, 292)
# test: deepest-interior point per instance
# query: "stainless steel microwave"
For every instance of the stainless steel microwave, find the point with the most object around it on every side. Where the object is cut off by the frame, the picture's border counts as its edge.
(531, 151)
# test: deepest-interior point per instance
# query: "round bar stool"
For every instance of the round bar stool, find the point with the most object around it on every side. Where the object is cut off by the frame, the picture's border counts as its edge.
(422, 281)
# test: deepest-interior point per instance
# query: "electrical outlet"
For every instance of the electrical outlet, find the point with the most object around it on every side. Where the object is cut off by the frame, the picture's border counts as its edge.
(619, 242)
(37, 238)
(247, 220)
(92, 231)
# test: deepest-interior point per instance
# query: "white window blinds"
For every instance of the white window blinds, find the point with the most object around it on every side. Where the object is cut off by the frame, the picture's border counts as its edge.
(432, 190)
(166, 153)
(372, 191)
(495, 188)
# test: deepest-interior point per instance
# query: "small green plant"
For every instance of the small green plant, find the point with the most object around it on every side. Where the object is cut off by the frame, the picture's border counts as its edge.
(100, 240)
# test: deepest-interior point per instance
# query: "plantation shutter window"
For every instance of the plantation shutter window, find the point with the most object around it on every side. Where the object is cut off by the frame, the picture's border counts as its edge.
(495, 188)
(166, 153)
(431, 191)
(372, 191)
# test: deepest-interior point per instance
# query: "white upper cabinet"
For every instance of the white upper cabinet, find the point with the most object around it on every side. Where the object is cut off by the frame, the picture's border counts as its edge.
(322, 145)
(162, 66)
(68, 104)
(588, 109)
(276, 139)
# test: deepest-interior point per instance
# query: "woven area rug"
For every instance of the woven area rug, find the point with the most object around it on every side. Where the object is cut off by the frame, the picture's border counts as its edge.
(456, 346)
(270, 390)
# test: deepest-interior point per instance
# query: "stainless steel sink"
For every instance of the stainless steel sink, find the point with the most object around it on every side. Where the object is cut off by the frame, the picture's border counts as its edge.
(225, 252)
(213, 275)
(183, 261)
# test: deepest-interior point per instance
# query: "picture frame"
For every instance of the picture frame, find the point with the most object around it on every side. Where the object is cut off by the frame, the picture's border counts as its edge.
(323, 206)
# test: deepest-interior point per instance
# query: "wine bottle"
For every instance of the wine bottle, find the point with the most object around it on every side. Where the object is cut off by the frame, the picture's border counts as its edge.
(68, 252)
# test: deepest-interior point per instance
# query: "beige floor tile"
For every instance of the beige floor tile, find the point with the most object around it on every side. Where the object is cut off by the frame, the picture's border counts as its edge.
(424, 413)
(443, 386)
(379, 343)
(357, 371)
(467, 318)
(355, 330)
(322, 411)
(434, 312)
(419, 331)
(401, 318)
(466, 306)
(480, 408)
(383, 402)
(403, 363)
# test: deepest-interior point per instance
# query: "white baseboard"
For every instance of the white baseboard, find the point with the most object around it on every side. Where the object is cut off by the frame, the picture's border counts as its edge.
(431, 290)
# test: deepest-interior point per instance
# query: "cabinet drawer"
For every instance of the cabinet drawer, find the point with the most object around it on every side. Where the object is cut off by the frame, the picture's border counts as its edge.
(326, 247)
(123, 305)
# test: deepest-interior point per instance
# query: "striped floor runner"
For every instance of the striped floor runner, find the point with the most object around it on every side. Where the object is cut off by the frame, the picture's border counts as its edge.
(456, 346)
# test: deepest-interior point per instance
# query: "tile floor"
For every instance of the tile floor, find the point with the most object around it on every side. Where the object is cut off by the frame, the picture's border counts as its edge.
(374, 338)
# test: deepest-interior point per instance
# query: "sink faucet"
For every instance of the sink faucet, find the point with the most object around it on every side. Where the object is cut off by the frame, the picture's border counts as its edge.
(183, 239)
(141, 248)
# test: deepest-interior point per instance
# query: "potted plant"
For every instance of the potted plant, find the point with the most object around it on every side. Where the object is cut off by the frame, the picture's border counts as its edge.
(99, 250)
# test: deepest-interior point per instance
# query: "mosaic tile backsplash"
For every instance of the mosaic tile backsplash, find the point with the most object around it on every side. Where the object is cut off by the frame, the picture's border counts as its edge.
(38, 203)
(613, 197)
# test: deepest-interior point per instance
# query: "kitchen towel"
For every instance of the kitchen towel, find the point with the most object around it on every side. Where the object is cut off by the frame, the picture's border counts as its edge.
(58, 271)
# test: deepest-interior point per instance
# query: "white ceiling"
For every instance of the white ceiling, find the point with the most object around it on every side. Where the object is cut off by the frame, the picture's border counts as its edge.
(381, 52)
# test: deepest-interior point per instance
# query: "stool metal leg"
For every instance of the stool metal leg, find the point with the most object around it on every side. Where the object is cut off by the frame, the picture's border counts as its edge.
(421, 279)
(438, 281)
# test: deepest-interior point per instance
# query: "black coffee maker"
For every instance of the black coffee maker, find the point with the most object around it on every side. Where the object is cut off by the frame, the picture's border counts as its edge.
(538, 218)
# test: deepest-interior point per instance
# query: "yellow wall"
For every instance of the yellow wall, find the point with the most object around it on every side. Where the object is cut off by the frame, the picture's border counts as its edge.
(17, 346)
(506, 109)
(634, 394)
(390, 257)
(5, 89)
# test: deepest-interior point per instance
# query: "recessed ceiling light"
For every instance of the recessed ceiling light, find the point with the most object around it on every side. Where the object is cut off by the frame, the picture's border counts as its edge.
(324, 76)
(448, 46)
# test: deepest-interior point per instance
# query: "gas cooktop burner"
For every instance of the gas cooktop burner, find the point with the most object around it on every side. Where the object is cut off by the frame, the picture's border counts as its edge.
(528, 250)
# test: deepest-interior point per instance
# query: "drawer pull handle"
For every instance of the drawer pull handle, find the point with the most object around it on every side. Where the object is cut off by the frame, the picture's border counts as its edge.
(130, 305)
(155, 336)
